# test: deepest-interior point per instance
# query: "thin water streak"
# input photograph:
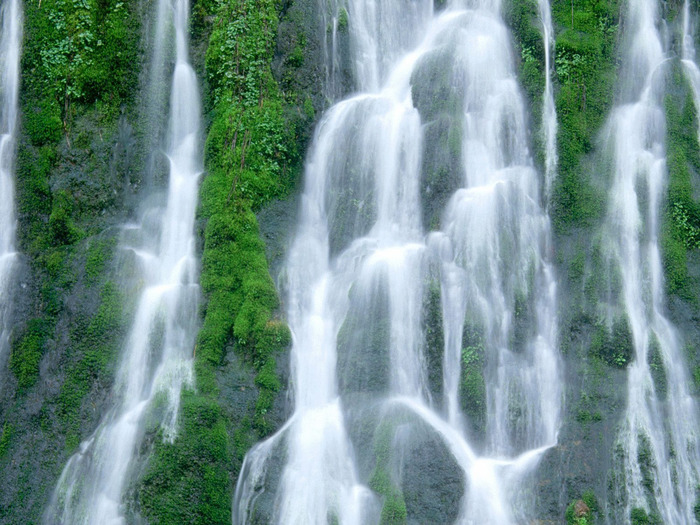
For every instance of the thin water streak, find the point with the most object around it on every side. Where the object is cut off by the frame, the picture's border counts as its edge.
(10, 49)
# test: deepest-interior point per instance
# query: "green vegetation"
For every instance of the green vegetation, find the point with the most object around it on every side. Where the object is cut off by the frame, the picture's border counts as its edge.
(77, 52)
(185, 482)
(434, 337)
(656, 365)
(586, 416)
(680, 231)
(639, 516)
(5, 437)
(614, 346)
(343, 19)
(98, 254)
(62, 230)
(27, 352)
(523, 17)
(80, 61)
(79, 58)
(95, 342)
(251, 157)
(582, 511)
(472, 385)
(647, 466)
(394, 507)
(585, 67)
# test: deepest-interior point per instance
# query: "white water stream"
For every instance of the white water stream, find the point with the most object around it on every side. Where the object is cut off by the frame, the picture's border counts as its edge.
(660, 434)
(549, 112)
(360, 243)
(10, 47)
(156, 361)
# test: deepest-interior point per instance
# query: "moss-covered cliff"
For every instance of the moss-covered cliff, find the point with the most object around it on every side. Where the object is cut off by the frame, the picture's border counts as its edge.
(83, 168)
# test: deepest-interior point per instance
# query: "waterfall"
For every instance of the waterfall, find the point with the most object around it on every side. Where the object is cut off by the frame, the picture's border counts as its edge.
(372, 402)
(659, 434)
(549, 112)
(157, 355)
(10, 44)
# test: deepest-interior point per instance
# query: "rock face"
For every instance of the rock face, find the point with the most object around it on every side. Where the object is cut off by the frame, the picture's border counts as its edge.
(83, 170)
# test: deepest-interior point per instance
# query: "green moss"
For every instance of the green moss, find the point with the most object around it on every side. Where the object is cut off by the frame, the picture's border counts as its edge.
(296, 57)
(680, 230)
(394, 506)
(577, 266)
(251, 158)
(79, 64)
(77, 52)
(614, 346)
(195, 463)
(524, 20)
(656, 365)
(309, 110)
(94, 345)
(62, 229)
(43, 122)
(343, 20)
(639, 516)
(99, 252)
(586, 416)
(27, 352)
(34, 195)
(585, 66)
(6, 438)
(434, 337)
(472, 384)
(590, 499)
(647, 465)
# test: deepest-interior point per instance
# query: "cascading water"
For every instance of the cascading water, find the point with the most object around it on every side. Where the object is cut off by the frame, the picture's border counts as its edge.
(361, 270)
(157, 358)
(10, 53)
(549, 112)
(660, 433)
